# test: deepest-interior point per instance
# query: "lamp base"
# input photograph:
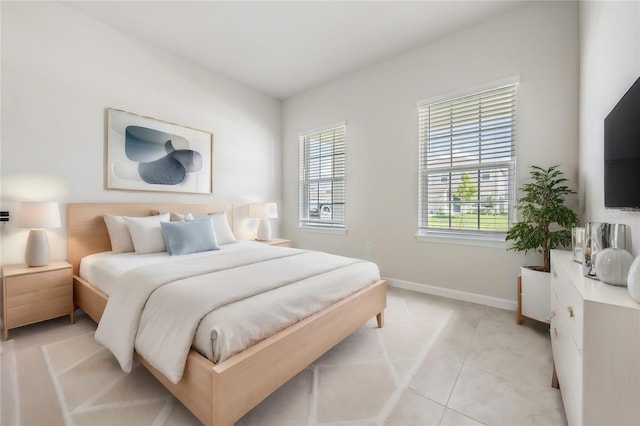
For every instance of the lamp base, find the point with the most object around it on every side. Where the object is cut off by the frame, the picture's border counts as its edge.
(264, 230)
(37, 252)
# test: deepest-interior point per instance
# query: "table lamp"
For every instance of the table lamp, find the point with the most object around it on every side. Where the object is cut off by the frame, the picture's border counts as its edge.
(38, 216)
(264, 212)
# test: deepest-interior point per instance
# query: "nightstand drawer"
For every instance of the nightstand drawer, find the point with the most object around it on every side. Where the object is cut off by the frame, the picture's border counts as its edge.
(37, 311)
(39, 285)
(39, 296)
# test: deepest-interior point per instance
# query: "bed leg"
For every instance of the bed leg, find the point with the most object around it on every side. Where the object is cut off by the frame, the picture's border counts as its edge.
(380, 318)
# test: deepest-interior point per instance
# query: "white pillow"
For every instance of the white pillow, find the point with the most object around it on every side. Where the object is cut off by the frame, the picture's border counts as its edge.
(223, 231)
(118, 233)
(176, 217)
(146, 233)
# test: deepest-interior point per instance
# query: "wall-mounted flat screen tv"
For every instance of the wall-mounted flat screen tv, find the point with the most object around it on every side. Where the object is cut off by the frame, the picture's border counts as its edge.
(622, 152)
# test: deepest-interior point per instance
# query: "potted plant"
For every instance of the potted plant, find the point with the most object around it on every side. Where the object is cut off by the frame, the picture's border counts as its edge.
(546, 225)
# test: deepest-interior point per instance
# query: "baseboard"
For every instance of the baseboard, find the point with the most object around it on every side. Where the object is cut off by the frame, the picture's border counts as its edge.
(509, 305)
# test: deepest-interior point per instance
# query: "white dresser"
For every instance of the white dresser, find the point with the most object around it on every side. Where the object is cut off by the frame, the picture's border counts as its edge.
(595, 336)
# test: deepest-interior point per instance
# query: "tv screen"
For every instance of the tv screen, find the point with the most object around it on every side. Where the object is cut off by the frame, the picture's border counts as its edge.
(622, 152)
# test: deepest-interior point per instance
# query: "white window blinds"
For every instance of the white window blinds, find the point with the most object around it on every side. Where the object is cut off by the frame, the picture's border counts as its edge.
(467, 163)
(322, 178)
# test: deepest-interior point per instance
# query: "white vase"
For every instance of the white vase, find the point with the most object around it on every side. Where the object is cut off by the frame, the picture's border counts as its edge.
(612, 266)
(633, 280)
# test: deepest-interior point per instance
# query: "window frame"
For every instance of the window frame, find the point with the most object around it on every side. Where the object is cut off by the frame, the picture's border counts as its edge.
(338, 176)
(476, 236)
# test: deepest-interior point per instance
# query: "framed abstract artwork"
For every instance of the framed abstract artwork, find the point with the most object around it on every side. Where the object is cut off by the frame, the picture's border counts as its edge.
(145, 154)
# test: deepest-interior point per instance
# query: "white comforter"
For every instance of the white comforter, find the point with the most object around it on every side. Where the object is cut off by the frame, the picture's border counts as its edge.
(158, 307)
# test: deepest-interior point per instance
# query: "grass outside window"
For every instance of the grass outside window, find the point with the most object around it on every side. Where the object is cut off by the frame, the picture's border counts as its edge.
(469, 222)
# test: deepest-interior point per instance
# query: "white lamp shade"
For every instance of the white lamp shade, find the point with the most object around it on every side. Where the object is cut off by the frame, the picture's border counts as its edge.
(263, 210)
(39, 214)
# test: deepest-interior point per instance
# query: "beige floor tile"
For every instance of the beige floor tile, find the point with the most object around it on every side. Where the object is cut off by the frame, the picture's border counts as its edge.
(425, 308)
(288, 406)
(493, 399)
(402, 367)
(451, 418)
(139, 385)
(50, 331)
(415, 410)
(180, 416)
(347, 393)
(113, 415)
(64, 353)
(38, 400)
(364, 344)
(405, 339)
(438, 303)
(456, 338)
(513, 351)
(435, 378)
(89, 377)
(397, 309)
(9, 399)
(359, 422)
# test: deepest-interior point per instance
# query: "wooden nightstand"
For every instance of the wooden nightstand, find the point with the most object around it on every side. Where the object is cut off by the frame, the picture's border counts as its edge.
(34, 294)
(277, 242)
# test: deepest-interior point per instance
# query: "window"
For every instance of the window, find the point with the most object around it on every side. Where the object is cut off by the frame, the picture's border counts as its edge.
(322, 178)
(471, 140)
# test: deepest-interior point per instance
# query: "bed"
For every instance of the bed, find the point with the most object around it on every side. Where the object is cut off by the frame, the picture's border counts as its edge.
(220, 394)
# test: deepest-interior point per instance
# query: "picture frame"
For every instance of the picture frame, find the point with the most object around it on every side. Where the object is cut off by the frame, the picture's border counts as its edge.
(147, 154)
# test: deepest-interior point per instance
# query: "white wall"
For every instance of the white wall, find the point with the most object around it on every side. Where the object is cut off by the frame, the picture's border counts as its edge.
(609, 65)
(537, 41)
(61, 70)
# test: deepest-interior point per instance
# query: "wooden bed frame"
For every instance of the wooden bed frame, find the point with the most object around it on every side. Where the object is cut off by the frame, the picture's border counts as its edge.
(220, 394)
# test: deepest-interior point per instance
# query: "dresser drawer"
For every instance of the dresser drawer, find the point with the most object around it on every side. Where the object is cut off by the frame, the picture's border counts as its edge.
(568, 361)
(570, 304)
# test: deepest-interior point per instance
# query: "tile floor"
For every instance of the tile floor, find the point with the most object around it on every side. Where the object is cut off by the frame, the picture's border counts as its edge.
(483, 369)
(437, 361)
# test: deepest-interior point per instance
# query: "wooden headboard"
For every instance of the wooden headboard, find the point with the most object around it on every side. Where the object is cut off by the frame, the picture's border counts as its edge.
(88, 233)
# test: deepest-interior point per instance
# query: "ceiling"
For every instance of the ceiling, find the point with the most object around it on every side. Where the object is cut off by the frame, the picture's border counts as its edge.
(284, 48)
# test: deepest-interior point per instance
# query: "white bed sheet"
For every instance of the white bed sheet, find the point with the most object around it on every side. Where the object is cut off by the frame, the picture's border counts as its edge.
(237, 326)
(103, 270)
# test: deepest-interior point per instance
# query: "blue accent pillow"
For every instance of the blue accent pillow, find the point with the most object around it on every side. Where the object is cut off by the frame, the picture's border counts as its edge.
(190, 236)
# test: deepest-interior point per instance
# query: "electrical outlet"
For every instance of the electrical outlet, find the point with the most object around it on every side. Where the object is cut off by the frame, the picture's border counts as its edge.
(369, 246)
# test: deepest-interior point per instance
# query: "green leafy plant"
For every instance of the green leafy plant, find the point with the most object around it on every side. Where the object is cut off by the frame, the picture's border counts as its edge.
(546, 222)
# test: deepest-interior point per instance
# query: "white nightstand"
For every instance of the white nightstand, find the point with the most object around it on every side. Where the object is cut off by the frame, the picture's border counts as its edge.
(34, 294)
(277, 242)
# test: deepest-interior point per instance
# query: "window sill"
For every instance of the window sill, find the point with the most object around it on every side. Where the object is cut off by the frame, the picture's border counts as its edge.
(491, 241)
(321, 230)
